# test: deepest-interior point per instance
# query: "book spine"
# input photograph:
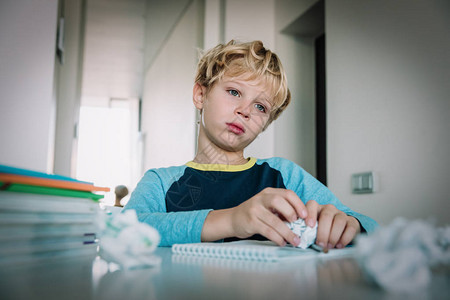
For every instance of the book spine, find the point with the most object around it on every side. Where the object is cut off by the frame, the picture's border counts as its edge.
(12, 170)
(34, 189)
(46, 205)
(17, 196)
(29, 231)
(65, 184)
(45, 218)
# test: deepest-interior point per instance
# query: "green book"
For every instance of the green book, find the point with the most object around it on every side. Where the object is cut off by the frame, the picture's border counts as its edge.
(24, 188)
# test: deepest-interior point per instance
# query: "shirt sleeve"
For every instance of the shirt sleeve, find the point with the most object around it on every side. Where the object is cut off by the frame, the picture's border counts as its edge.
(309, 188)
(148, 200)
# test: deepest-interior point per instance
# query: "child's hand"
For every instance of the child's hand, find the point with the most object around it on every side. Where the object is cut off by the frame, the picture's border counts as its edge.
(335, 229)
(264, 214)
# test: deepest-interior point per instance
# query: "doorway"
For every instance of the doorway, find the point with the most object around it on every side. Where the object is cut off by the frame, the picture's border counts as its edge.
(321, 109)
(307, 34)
(110, 145)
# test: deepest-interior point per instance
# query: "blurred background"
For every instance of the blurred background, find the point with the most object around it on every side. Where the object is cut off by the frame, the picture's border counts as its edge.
(101, 90)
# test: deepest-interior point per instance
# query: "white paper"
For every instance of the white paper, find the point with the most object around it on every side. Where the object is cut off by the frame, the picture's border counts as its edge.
(398, 257)
(128, 242)
(306, 234)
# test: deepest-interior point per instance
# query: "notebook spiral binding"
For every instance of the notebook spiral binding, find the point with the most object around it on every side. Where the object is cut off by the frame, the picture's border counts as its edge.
(242, 252)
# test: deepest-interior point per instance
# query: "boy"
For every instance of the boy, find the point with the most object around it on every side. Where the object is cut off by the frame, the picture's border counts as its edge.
(240, 88)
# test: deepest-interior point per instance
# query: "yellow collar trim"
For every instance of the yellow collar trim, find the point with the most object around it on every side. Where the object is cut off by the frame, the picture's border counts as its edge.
(223, 168)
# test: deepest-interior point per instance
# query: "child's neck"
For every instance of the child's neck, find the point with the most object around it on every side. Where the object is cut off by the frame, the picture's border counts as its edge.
(212, 155)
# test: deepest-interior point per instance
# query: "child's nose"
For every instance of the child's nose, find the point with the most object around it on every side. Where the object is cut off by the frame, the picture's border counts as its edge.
(244, 111)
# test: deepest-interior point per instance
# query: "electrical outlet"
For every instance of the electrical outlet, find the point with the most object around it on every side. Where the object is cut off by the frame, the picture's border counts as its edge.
(364, 183)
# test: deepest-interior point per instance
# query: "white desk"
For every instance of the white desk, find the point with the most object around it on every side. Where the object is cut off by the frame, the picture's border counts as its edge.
(184, 277)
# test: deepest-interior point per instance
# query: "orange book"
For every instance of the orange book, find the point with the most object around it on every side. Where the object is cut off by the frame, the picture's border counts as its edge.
(55, 183)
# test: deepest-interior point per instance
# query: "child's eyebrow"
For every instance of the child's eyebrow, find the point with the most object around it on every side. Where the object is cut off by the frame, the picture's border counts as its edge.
(232, 82)
(267, 101)
(241, 85)
(262, 96)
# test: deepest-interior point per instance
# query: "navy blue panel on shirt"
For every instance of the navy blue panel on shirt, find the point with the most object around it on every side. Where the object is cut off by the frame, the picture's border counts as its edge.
(198, 189)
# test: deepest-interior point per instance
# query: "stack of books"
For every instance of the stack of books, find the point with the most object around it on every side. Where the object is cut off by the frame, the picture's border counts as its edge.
(46, 216)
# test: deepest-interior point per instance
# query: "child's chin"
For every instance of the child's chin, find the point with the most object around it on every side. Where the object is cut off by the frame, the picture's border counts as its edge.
(233, 147)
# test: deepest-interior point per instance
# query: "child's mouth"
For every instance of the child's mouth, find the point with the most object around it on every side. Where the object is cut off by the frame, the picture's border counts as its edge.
(235, 128)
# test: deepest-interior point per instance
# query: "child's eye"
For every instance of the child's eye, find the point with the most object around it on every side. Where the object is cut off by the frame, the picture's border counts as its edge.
(233, 93)
(260, 108)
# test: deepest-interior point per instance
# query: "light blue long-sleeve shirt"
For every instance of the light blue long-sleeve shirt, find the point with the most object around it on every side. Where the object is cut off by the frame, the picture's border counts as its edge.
(176, 200)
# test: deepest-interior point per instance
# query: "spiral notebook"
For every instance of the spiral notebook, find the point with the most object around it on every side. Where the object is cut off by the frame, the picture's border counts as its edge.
(255, 250)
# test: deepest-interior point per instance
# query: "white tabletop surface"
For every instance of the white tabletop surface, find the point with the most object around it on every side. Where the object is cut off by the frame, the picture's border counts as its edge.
(186, 277)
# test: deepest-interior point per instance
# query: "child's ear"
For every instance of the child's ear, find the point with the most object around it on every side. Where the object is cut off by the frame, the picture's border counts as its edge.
(198, 95)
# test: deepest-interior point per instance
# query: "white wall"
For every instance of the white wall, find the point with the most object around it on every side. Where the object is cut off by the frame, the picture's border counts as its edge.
(27, 49)
(287, 11)
(388, 104)
(214, 27)
(168, 114)
(161, 19)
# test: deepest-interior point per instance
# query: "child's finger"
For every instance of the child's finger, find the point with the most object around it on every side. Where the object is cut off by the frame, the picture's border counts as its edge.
(269, 232)
(325, 222)
(313, 211)
(296, 203)
(280, 228)
(279, 205)
(272, 235)
(347, 236)
(337, 228)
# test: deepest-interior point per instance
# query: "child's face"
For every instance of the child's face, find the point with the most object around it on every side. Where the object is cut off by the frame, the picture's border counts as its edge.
(235, 112)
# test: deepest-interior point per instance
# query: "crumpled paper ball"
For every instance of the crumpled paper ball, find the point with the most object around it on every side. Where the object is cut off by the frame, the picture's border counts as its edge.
(128, 242)
(307, 234)
(398, 257)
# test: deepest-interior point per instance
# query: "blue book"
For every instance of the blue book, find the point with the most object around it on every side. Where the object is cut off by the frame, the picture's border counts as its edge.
(26, 172)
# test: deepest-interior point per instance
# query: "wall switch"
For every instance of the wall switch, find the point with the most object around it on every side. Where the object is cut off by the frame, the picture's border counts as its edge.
(363, 183)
